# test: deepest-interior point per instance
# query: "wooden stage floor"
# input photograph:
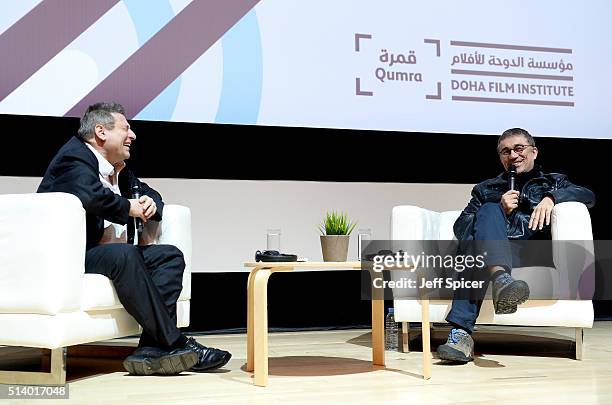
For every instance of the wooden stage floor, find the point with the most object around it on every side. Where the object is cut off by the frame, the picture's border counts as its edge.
(516, 365)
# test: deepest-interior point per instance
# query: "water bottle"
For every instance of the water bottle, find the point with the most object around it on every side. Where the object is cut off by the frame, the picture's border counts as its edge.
(391, 331)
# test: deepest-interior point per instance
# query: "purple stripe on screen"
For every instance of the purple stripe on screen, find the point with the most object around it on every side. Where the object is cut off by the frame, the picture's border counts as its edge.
(41, 34)
(145, 74)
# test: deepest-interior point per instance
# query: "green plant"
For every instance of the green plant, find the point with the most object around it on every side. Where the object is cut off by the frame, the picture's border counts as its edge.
(336, 224)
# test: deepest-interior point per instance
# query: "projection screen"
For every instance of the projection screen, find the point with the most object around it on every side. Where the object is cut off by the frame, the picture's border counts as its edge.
(455, 67)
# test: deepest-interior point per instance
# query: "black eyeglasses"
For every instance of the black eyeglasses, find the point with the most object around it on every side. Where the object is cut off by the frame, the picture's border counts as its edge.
(518, 149)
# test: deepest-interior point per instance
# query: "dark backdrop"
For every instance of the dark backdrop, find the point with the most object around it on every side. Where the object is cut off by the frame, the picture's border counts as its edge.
(214, 151)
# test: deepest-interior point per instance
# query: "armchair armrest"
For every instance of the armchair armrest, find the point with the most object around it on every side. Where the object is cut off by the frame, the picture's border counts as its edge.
(409, 222)
(574, 260)
(571, 221)
(42, 253)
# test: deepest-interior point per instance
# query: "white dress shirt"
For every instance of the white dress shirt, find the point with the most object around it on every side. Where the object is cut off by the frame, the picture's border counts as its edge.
(109, 176)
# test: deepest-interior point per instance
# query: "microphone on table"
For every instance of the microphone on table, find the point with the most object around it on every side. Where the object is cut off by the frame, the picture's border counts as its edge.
(511, 177)
(137, 221)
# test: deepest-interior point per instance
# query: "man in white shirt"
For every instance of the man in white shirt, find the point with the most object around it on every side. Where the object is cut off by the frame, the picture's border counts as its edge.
(147, 279)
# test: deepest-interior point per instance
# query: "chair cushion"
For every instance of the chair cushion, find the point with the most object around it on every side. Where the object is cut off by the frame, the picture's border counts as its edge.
(447, 220)
(99, 294)
(577, 314)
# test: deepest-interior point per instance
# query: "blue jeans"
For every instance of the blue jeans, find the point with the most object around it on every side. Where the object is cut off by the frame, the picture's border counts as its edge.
(490, 235)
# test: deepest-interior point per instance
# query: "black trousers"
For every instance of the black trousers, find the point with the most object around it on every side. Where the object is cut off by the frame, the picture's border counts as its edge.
(148, 281)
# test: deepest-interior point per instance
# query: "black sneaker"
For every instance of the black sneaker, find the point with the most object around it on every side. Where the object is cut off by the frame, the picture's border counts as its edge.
(508, 293)
(459, 347)
(209, 358)
(153, 360)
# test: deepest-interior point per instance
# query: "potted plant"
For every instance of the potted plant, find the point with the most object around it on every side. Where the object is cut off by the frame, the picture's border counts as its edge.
(335, 231)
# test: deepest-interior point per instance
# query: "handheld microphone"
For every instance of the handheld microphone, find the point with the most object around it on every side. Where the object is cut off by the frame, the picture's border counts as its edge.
(137, 221)
(511, 177)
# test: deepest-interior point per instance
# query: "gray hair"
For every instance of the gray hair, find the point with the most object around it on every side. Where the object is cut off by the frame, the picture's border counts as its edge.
(516, 131)
(99, 113)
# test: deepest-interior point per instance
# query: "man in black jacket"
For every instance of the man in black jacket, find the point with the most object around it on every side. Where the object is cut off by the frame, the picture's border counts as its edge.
(147, 279)
(496, 214)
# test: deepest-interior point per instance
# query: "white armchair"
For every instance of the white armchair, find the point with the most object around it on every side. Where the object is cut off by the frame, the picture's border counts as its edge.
(570, 221)
(46, 299)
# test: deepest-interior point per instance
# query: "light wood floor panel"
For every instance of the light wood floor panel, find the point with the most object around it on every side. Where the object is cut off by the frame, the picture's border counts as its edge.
(513, 365)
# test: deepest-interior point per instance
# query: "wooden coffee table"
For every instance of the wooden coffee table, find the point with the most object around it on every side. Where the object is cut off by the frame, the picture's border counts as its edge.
(257, 316)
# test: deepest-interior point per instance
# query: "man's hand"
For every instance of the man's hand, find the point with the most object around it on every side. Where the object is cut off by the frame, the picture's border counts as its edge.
(136, 209)
(149, 207)
(541, 214)
(509, 201)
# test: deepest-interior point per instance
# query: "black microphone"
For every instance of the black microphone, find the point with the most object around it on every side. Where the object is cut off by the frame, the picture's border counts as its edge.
(137, 221)
(511, 177)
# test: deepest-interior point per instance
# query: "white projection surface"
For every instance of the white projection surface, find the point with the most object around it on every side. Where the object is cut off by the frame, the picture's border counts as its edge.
(474, 67)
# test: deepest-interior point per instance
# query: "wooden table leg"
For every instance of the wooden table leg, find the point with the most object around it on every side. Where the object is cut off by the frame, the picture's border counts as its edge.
(378, 332)
(426, 339)
(260, 326)
(250, 338)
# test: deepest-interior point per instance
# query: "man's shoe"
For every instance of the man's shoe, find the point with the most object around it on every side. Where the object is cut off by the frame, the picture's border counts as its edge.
(153, 360)
(458, 347)
(209, 358)
(508, 293)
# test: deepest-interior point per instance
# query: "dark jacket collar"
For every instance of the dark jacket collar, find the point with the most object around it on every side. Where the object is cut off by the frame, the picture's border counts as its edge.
(524, 177)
